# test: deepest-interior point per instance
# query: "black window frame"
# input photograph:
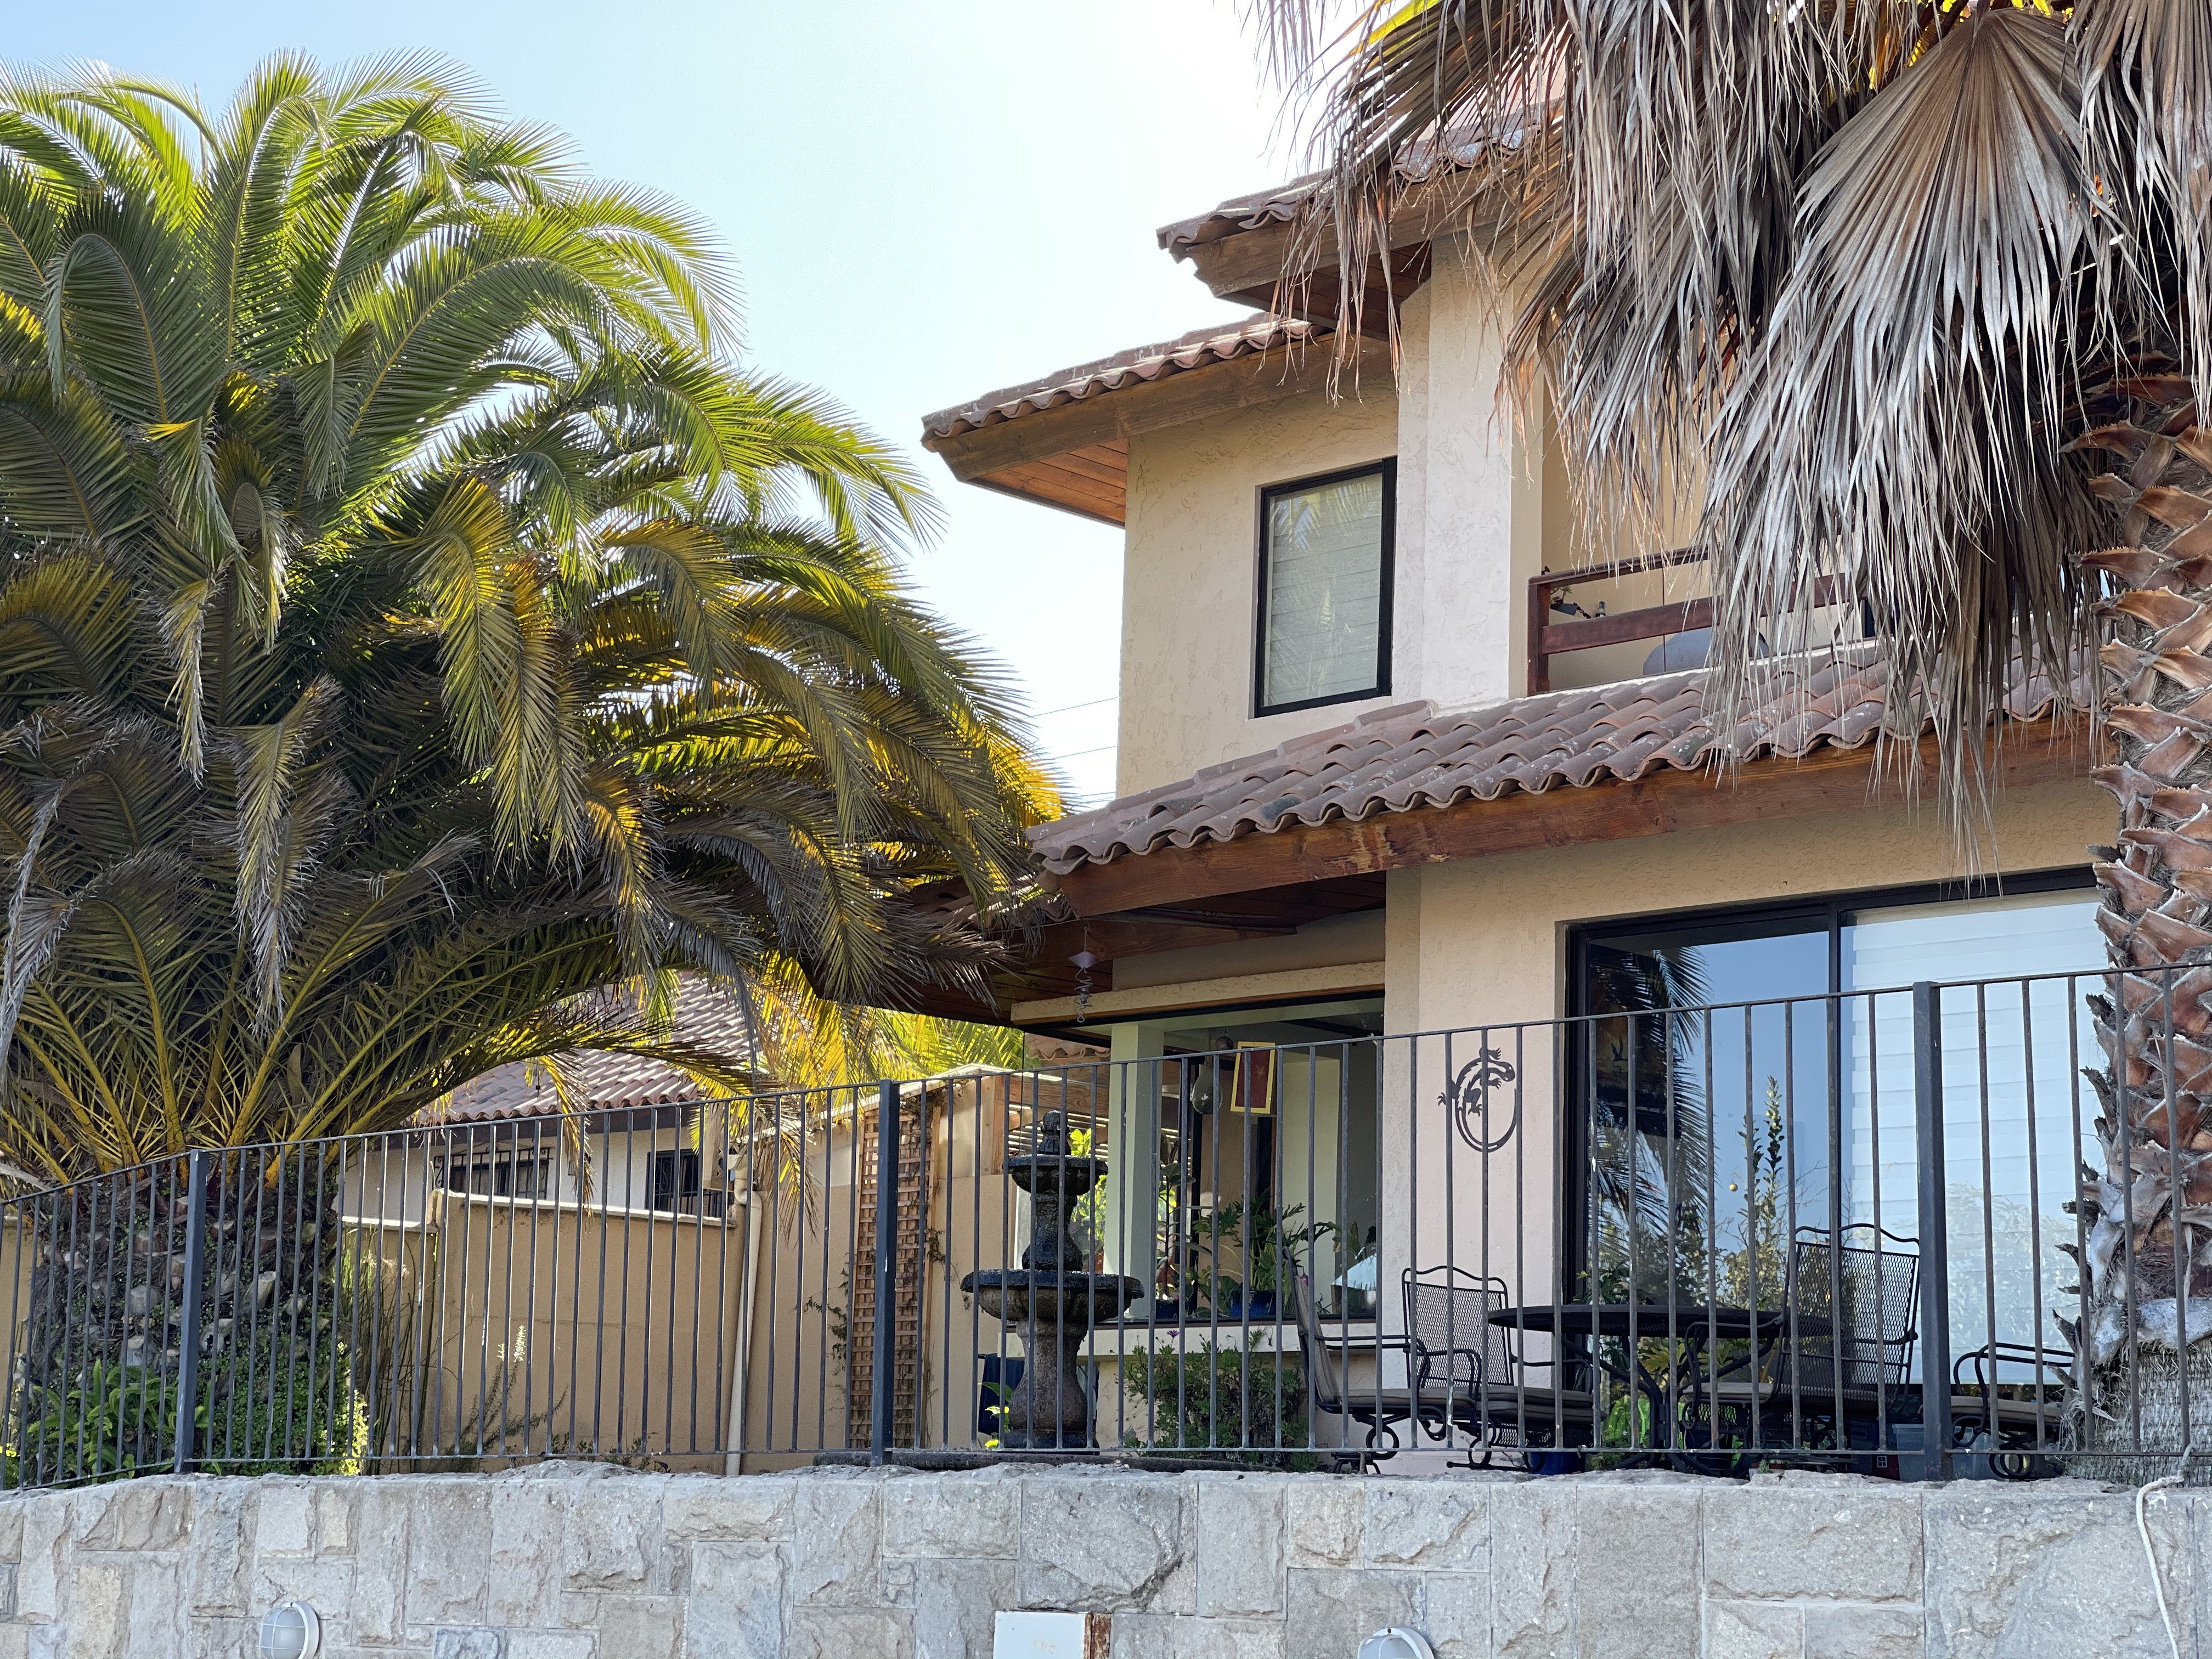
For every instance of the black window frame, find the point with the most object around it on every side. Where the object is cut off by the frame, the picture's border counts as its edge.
(1826, 912)
(678, 1173)
(1387, 469)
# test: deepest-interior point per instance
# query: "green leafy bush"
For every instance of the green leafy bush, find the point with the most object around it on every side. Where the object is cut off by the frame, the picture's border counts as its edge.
(1214, 1400)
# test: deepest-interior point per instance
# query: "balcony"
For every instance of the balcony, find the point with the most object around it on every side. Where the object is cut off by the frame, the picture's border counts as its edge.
(1666, 626)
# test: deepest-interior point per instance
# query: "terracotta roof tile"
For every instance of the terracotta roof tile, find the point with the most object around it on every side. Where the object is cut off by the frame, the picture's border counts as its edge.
(1138, 366)
(1424, 159)
(1414, 754)
(706, 1017)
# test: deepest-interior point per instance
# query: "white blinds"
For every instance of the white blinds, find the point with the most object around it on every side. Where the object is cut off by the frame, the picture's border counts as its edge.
(2012, 1056)
(1322, 628)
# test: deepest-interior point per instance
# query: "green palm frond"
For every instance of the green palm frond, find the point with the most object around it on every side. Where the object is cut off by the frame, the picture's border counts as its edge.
(415, 628)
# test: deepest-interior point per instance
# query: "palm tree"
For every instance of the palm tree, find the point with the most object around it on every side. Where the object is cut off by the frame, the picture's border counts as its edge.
(415, 621)
(1915, 298)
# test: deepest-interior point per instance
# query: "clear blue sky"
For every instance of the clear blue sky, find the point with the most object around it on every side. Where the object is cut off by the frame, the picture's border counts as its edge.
(924, 202)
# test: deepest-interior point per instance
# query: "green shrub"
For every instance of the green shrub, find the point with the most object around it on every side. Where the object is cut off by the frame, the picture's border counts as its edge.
(271, 1408)
(1214, 1399)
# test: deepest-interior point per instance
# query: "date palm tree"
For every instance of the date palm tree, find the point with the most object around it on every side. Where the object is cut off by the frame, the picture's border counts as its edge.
(420, 637)
(1916, 298)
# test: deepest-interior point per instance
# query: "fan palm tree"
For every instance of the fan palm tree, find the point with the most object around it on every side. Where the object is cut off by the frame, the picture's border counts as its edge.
(414, 620)
(1916, 298)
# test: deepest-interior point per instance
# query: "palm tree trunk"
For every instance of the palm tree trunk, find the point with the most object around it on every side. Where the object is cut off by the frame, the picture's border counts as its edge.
(2147, 1287)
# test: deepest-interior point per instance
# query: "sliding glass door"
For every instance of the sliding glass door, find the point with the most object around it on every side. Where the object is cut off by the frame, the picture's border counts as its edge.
(1705, 1147)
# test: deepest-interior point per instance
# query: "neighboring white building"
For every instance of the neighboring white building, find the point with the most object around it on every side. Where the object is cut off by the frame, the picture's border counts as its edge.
(650, 1135)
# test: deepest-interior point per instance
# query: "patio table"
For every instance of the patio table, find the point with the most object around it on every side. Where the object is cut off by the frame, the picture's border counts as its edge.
(1693, 1325)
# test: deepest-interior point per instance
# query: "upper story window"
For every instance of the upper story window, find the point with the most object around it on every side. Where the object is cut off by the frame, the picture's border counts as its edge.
(1324, 599)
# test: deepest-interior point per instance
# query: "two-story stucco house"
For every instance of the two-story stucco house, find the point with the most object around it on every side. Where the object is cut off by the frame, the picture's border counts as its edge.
(1381, 771)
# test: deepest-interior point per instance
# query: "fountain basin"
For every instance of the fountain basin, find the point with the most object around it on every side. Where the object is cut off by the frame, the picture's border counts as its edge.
(1020, 1296)
(1055, 1172)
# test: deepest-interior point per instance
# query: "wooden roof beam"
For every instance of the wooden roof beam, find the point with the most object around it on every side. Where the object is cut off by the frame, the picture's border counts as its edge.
(1829, 780)
(1110, 416)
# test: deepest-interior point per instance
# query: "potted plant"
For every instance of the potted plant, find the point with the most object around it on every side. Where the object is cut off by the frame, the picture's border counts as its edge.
(1260, 1242)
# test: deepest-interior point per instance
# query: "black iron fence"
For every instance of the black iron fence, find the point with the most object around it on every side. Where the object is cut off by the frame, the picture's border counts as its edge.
(1846, 1230)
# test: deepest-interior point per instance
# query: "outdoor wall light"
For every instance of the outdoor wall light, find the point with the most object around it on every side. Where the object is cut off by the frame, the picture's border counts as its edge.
(1391, 1643)
(1198, 1094)
(290, 1630)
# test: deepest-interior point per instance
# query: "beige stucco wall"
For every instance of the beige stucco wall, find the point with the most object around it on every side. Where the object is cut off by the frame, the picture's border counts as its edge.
(1477, 515)
(1188, 569)
(1472, 519)
(1484, 939)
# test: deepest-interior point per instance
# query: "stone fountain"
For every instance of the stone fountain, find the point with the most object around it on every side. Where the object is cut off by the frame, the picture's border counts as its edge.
(1051, 1301)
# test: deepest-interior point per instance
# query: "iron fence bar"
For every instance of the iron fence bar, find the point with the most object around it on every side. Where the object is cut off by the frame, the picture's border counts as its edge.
(48, 1268)
(1989, 1218)
(719, 1400)
(188, 1339)
(884, 1382)
(1593, 1206)
(923, 1193)
(2034, 1204)
(1672, 1134)
(775, 1263)
(1712, 1187)
(621, 1312)
(287, 1264)
(1882, 1435)
(542, 1173)
(22, 1224)
(2080, 1214)
(1934, 1252)
(1515, 1369)
(1751, 1211)
(1786, 1246)
(1832, 1033)
(852, 1260)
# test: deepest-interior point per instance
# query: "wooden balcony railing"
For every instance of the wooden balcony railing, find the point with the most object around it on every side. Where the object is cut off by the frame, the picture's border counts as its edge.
(1548, 638)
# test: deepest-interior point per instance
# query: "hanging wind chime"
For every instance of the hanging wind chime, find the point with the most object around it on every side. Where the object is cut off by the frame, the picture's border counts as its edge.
(1083, 962)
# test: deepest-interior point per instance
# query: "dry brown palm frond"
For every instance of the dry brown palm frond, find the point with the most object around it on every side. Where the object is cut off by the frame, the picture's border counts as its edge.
(1405, 108)
(1840, 280)
(2146, 69)
(1901, 420)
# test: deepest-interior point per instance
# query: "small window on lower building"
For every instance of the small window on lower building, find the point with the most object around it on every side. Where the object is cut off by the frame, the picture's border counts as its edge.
(502, 1177)
(1324, 609)
(676, 1180)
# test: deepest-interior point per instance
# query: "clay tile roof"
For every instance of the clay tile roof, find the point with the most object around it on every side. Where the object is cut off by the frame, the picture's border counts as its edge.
(1137, 366)
(1240, 213)
(1416, 755)
(1417, 162)
(706, 1017)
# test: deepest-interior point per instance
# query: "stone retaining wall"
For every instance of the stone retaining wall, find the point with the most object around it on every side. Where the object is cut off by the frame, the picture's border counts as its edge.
(862, 1564)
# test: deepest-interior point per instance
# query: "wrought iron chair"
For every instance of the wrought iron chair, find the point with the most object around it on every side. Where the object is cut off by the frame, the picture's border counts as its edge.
(2015, 1426)
(1869, 1298)
(1327, 1393)
(1466, 1374)
(1451, 1346)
